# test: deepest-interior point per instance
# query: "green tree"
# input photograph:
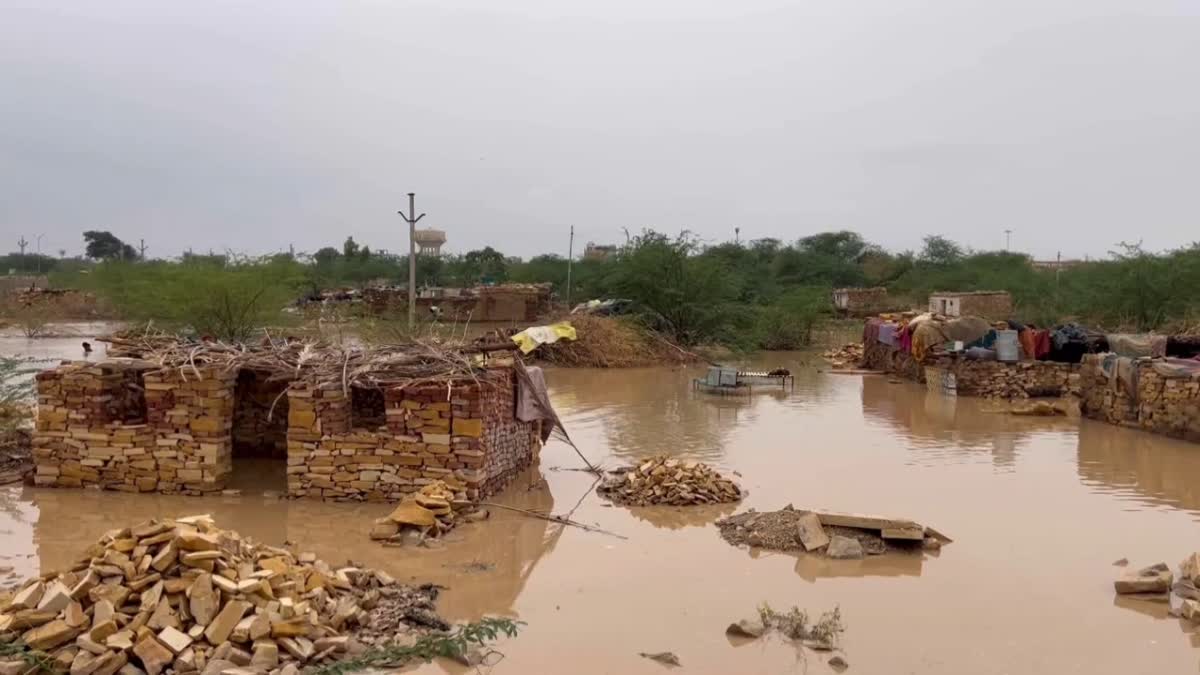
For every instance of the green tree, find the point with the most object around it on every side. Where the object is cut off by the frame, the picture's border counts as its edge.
(104, 245)
(939, 250)
(349, 248)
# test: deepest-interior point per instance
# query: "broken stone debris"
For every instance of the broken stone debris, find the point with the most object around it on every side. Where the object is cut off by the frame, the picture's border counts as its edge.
(430, 512)
(1156, 582)
(1152, 579)
(1039, 409)
(665, 658)
(181, 596)
(844, 548)
(837, 535)
(847, 357)
(663, 481)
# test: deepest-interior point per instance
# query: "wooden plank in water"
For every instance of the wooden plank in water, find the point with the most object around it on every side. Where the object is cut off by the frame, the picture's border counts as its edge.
(856, 371)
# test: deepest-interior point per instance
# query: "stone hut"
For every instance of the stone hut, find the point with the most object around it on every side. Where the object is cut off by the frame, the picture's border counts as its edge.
(860, 301)
(987, 304)
(342, 425)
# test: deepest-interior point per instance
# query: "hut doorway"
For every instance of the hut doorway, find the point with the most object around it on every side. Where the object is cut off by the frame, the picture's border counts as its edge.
(260, 424)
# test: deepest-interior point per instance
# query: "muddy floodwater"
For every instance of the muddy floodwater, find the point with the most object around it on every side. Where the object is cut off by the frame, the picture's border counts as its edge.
(1039, 509)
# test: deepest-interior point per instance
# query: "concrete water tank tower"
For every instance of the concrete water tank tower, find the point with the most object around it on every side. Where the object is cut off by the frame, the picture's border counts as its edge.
(429, 241)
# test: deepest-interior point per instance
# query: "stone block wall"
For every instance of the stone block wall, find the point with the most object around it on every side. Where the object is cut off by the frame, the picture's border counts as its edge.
(135, 429)
(990, 379)
(463, 434)
(1024, 379)
(84, 436)
(1163, 405)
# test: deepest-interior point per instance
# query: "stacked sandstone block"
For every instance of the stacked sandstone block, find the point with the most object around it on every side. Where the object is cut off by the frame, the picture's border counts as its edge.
(433, 433)
(1025, 379)
(1164, 405)
(83, 438)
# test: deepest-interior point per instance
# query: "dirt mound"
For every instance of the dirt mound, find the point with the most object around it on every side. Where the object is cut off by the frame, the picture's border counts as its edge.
(663, 481)
(611, 342)
(846, 357)
(792, 530)
(184, 596)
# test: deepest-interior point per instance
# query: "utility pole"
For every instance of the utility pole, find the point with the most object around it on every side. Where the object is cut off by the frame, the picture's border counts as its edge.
(22, 243)
(570, 259)
(39, 253)
(412, 219)
(142, 249)
(1008, 240)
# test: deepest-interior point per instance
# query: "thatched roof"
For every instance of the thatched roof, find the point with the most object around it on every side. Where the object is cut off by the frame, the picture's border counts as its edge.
(375, 366)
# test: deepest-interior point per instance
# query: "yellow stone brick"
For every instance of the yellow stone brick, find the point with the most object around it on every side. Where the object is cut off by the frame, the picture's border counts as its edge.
(472, 427)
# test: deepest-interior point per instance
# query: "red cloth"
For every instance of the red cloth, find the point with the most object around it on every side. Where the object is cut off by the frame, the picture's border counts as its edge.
(1042, 343)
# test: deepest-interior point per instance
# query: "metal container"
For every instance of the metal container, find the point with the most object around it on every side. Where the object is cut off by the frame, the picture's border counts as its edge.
(1008, 348)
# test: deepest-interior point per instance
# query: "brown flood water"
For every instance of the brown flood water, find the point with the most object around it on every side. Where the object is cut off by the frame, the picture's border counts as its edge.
(1039, 510)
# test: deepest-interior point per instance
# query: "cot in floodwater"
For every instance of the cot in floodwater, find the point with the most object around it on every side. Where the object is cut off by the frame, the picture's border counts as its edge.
(732, 382)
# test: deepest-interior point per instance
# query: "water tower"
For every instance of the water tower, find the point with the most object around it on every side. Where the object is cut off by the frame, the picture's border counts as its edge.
(429, 241)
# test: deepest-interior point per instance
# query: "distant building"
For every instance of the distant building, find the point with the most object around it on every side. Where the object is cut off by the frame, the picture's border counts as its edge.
(1053, 265)
(986, 304)
(860, 300)
(429, 241)
(595, 251)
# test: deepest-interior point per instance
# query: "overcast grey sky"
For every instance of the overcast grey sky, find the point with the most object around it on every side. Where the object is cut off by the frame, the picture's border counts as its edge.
(252, 125)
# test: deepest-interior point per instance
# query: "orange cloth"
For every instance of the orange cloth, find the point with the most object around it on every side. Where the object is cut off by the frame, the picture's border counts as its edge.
(1028, 339)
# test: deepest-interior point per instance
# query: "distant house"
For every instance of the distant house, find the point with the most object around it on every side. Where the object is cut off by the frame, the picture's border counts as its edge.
(860, 300)
(595, 251)
(986, 304)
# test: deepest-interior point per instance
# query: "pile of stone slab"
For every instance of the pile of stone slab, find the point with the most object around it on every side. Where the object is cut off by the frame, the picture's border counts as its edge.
(1156, 582)
(430, 512)
(847, 357)
(181, 596)
(663, 481)
(835, 535)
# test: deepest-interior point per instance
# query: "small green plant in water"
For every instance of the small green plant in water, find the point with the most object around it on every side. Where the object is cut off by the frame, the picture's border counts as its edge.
(452, 645)
(794, 624)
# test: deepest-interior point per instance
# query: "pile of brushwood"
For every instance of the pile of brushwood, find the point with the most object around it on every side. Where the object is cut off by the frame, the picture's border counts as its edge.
(182, 596)
(664, 481)
(15, 455)
(612, 342)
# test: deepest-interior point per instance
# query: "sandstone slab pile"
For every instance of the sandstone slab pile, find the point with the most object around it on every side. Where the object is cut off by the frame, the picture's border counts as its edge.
(430, 512)
(181, 596)
(663, 481)
(847, 357)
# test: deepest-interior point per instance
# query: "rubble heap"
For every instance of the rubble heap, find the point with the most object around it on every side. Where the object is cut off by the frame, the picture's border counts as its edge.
(181, 596)
(1157, 582)
(835, 535)
(849, 356)
(663, 481)
(429, 512)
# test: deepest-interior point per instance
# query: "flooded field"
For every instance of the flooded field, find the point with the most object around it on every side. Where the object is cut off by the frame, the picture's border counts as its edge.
(1039, 509)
